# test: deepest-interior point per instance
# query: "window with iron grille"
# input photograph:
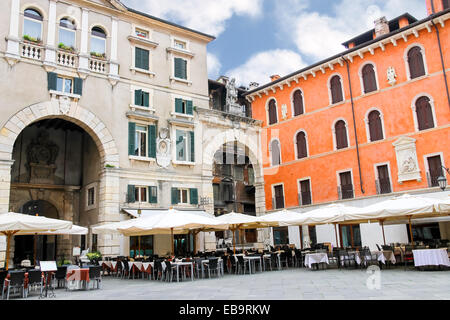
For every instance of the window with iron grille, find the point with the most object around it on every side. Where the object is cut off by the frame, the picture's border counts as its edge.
(384, 181)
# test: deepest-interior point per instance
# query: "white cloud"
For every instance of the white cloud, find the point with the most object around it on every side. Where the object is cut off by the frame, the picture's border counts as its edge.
(206, 16)
(214, 66)
(319, 35)
(262, 65)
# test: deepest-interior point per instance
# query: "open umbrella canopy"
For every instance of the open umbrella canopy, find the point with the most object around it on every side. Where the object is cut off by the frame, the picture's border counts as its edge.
(74, 231)
(167, 222)
(21, 224)
(334, 213)
(280, 218)
(443, 206)
(397, 208)
(241, 221)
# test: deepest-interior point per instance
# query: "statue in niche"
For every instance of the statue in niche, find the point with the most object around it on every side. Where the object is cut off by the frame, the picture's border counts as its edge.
(41, 156)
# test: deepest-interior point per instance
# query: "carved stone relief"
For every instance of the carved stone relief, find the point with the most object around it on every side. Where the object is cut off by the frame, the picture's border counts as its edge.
(163, 148)
(406, 153)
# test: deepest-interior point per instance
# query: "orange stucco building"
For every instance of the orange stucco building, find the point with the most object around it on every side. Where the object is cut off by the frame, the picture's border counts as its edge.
(369, 123)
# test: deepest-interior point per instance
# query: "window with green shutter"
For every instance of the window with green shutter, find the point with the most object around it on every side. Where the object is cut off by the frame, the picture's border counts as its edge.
(152, 141)
(180, 68)
(184, 106)
(192, 142)
(78, 86)
(141, 98)
(52, 80)
(131, 194)
(194, 196)
(142, 58)
(131, 138)
(153, 195)
(175, 196)
(189, 108)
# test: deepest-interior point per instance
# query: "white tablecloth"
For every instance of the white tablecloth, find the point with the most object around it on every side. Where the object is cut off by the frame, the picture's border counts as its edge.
(312, 258)
(357, 257)
(431, 257)
(384, 256)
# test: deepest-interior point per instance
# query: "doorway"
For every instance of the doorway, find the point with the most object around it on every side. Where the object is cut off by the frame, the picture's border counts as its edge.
(350, 236)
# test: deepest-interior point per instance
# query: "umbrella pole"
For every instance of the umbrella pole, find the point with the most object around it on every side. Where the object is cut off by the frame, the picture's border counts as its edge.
(410, 231)
(9, 235)
(171, 236)
(139, 246)
(382, 227)
(234, 241)
(336, 234)
(35, 249)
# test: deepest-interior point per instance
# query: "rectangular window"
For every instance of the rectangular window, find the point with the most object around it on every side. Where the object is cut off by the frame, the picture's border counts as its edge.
(140, 194)
(180, 68)
(141, 33)
(384, 181)
(183, 196)
(434, 171)
(141, 141)
(305, 193)
(346, 188)
(279, 197)
(180, 44)
(91, 196)
(153, 194)
(64, 85)
(141, 98)
(142, 59)
(184, 106)
(239, 173)
(185, 146)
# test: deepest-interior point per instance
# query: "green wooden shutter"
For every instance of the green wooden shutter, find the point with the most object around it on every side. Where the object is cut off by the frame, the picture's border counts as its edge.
(192, 146)
(52, 79)
(78, 86)
(145, 60)
(131, 138)
(178, 67)
(152, 141)
(194, 196)
(178, 105)
(138, 97)
(153, 198)
(138, 58)
(131, 194)
(189, 108)
(175, 196)
(146, 99)
(183, 69)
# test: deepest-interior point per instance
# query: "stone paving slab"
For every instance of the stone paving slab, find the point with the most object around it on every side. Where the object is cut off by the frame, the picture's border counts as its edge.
(292, 284)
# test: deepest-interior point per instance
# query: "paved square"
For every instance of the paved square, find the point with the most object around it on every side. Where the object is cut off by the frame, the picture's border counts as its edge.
(292, 284)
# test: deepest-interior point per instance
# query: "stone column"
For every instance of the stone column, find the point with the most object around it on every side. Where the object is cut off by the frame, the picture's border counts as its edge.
(13, 40)
(109, 210)
(114, 63)
(5, 185)
(84, 55)
(208, 192)
(50, 48)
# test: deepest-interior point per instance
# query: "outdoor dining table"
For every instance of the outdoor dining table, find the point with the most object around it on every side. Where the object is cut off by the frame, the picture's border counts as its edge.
(385, 255)
(316, 258)
(431, 257)
(76, 277)
(180, 264)
(252, 259)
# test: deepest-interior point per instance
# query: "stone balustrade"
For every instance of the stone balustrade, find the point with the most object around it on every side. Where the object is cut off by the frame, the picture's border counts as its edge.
(97, 65)
(67, 59)
(31, 51)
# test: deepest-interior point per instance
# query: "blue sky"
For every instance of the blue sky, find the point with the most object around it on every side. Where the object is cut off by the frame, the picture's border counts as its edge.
(259, 38)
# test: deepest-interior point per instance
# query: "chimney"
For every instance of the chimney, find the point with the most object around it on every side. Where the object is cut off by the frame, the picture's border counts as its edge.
(381, 27)
(275, 77)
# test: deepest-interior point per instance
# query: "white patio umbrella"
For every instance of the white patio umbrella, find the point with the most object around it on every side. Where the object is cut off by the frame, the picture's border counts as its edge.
(443, 206)
(281, 218)
(12, 224)
(239, 221)
(169, 222)
(74, 231)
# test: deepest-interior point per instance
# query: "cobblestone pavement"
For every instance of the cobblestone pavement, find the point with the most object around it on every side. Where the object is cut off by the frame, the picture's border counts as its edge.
(292, 284)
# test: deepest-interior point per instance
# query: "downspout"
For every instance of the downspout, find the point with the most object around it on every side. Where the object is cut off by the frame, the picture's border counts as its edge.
(361, 183)
(442, 57)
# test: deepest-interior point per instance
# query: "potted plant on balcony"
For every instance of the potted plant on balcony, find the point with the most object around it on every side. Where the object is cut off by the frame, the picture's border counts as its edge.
(30, 39)
(97, 55)
(63, 47)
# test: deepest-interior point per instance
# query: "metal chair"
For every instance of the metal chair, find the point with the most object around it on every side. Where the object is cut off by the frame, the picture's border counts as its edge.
(241, 263)
(170, 271)
(35, 279)
(284, 260)
(408, 255)
(95, 275)
(60, 276)
(367, 258)
(16, 281)
(212, 266)
(3, 275)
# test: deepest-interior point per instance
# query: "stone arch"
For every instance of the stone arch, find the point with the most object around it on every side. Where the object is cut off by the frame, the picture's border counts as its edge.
(51, 109)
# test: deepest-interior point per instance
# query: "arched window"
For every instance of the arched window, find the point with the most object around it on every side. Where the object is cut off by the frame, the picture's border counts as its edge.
(416, 62)
(67, 29)
(275, 153)
(369, 78)
(336, 89)
(32, 25)
(273, 112)
(302, 149)
(424, 113)
(341, 134)
(375, 126)
(298, 103)
(98, 42)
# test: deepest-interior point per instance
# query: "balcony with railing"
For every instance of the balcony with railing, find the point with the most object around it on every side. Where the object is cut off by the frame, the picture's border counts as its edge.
(346, 192)
(98, 65)
(383, 186)
(31, 50)
(67, 59)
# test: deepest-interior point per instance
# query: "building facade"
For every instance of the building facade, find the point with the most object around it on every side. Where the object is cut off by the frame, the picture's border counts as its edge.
(360, 127)
(106, 113)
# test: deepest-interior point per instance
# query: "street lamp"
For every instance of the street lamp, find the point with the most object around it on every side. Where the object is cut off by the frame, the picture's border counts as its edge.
(442, 180)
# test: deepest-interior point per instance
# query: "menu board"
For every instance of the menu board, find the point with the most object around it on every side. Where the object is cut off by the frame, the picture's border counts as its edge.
(48, 266)
(76, 251)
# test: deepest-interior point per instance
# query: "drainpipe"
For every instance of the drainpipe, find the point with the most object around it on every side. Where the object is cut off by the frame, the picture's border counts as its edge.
(442, 56)
(354, 125)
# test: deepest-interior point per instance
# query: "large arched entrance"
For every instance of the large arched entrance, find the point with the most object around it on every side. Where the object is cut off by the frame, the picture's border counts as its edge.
(67, 157)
